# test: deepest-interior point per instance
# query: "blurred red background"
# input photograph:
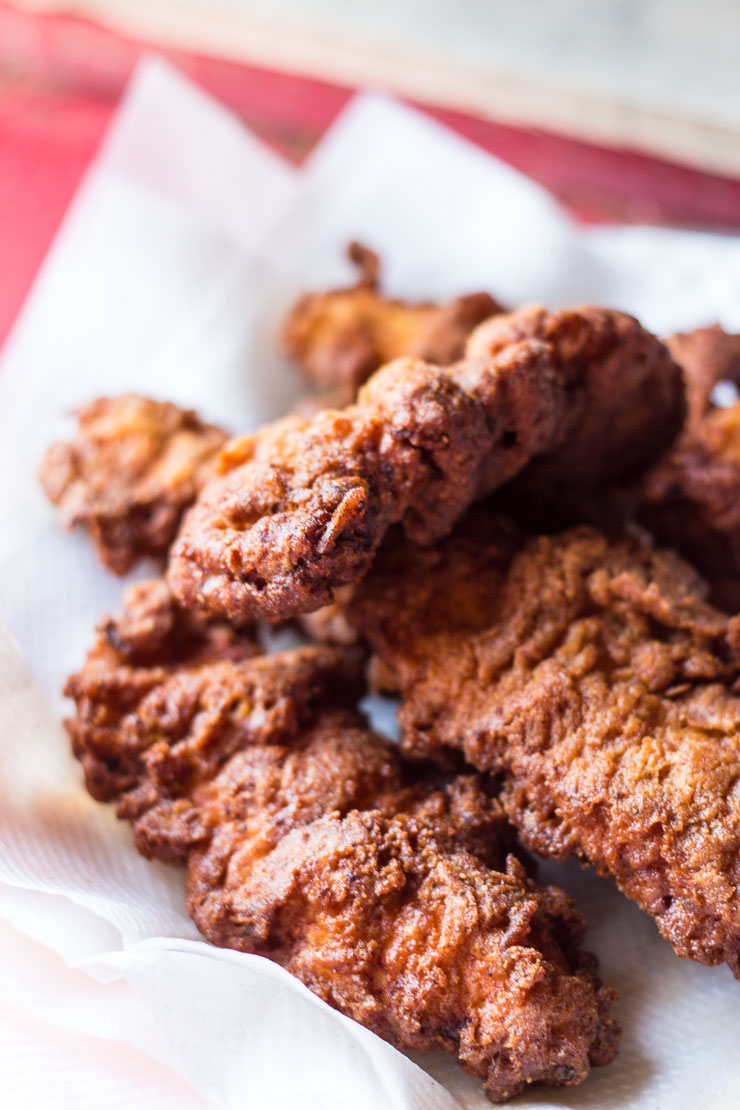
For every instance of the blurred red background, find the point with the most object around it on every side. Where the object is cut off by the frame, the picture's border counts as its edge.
(61, 78)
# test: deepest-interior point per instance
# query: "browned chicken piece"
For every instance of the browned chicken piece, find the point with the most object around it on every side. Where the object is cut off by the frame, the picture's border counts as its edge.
(382, 912)
(391, 892)
(596, 680)
(129, 474)
(691, 500)
(623, 404)
(165, 697)
(341, 337)
(585, 397)
(707, 356)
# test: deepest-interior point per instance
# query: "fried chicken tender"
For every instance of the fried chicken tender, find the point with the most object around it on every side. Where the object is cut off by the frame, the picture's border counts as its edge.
(691, 500)
(340, 338)
(391, 892)
(166, 696)
(129, 474)
(597, 681)
(381, 915)
(303, 506)
(624, 402)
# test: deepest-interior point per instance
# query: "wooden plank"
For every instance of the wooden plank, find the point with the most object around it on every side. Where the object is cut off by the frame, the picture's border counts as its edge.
(61, 77)
(660, 76)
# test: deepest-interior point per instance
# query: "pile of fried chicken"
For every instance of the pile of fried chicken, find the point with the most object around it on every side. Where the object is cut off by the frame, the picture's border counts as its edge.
(523, 525)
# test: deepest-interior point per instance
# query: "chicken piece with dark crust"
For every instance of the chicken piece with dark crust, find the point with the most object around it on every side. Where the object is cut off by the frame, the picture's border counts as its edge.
(624, 398)
(381, 912)
(133, 468)
(165, 697)
(303, 506)
(597, 681)
(391, 891)
(341, 337)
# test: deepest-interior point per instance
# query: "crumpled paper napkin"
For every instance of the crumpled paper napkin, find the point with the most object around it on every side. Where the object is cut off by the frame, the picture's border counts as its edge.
(184, 247)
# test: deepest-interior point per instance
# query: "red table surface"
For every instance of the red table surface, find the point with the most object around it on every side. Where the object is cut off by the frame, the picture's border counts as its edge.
(61, 78)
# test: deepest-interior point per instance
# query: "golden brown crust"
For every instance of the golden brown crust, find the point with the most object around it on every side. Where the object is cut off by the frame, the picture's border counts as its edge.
(390, 891)
(307, 502)
(624, 402)
(595, 678)
(129, 474)
(414, 938)
(341, 337)
(303, 506)
(165, 695)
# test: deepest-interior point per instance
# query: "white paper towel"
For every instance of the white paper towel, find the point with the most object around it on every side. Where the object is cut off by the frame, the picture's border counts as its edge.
(170, 276)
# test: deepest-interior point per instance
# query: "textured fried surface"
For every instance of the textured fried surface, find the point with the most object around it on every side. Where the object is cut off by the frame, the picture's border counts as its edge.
(133, 468)
(594, 677)
(624, 399)
(303, 507)
(164, 697)
(691, 501)
(341, 337)
(381, 914)
(308, 841)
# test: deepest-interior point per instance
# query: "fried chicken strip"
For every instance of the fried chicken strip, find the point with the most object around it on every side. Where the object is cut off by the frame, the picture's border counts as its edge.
(393, 894)
(339, 338)
(166, 696)
(379, 913)
(597, 681)
(624, 399)
(129, 474)
(303, 506)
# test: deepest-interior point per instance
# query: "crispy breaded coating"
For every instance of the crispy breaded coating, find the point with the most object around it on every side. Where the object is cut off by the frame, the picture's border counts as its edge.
(133, 468)
(164, 696)
(597, 681)
(624, 397)
(308, 841)
(303, 506)
(380, 914)
(341, 337)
